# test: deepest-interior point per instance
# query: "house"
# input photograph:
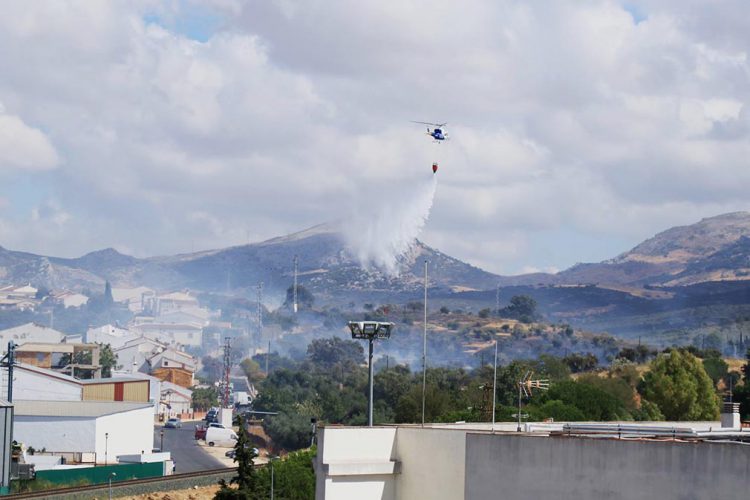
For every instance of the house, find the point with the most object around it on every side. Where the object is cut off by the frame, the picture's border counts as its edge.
(181, 334)
(173, 366)
(157, 359)
(29, 332)
(134, 298)
(115, 336)
(175, 301)
(69, 299)
(64, 358)
(134, 354)
(89, 431)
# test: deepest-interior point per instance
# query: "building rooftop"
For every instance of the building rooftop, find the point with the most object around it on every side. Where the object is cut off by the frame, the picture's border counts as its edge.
(74, 408)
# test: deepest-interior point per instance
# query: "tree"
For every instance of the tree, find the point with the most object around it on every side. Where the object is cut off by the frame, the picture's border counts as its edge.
(522, 308)
(107, 359)
(246, 478)
(205, 398)
(716, 368)
(334, 350)
(251, 369)
(290, 431)
(679, 385)
(305, 298)
(108, 299)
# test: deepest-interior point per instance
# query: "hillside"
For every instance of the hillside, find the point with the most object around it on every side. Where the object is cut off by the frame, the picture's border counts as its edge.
(326, 266)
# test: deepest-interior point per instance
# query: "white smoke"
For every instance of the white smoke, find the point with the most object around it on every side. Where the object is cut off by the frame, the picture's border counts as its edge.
(386, 222)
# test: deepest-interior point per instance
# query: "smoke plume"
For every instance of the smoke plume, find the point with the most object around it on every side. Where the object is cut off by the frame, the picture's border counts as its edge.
(386, 223)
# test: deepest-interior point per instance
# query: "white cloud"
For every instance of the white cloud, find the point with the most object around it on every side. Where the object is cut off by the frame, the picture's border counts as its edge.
(24, 147)
(576, 131)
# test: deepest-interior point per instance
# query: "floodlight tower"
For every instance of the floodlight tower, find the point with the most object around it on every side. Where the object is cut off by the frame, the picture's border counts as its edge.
(370, 331)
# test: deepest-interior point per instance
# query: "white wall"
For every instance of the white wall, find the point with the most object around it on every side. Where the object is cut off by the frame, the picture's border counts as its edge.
(356, 463)
(61, 434)
(433, 463)
(29, 385)
(130, 433)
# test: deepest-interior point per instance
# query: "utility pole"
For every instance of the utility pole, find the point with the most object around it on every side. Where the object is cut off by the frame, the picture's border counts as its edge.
(9, 360)
(294, 291)
(424, 345)
(227, 369)
(494, 388)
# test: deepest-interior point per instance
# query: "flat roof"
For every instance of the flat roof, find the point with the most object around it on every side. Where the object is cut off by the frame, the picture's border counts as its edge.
(26, 408)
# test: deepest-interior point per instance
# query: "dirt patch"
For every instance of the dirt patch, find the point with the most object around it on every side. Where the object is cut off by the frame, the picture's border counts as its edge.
(194, 493)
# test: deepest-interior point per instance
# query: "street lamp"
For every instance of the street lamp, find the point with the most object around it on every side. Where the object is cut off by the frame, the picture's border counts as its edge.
(111, 475)
(106, 448)
(370, 331)
(271, 459)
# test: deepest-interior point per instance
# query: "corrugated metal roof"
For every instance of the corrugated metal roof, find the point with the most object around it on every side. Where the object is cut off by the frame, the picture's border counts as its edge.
(74, 408)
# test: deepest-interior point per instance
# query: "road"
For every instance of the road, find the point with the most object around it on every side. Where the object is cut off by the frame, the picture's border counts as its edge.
(186, 453)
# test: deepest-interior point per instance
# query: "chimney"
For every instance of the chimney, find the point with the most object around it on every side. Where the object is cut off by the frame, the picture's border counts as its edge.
(730, 416)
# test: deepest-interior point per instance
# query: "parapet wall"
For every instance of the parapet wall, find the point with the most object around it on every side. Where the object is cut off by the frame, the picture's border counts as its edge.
(523, 467)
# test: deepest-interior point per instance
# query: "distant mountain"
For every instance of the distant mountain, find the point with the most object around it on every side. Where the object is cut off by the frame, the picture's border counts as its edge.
(325, 265)
(714, 249)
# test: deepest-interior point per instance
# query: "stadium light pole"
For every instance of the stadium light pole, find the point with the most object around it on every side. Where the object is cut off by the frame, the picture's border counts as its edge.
(370, 331)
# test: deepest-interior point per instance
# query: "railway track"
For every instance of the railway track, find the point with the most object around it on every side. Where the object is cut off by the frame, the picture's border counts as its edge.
(53, 493)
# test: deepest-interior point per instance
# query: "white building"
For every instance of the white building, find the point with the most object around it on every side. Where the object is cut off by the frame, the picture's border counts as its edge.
(133, 356)
(99, 431)
(34, 383)
(134, 298)
(109, 334)
(70, 299)
(180, 334)
(30, 332)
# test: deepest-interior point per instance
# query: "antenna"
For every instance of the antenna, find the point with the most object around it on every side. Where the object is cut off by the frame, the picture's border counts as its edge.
(525, 387)
(260, 313)
(296, 266)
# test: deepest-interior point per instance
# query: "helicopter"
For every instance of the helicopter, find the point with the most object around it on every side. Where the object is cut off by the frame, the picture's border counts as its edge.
(436, 132)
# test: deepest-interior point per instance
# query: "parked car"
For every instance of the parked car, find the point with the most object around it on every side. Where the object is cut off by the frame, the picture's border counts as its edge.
(231, 453)
(173, 423)
(200, 431)
(216, 436)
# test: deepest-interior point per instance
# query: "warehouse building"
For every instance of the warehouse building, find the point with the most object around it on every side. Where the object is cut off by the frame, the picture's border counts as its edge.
(85, 431)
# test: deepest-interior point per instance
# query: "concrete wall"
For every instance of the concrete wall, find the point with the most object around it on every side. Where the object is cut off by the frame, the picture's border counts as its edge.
(130, 433)
(56, 434)
(522, 467)
(432, 463)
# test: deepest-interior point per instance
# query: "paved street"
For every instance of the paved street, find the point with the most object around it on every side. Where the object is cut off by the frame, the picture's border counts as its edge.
(186, 453)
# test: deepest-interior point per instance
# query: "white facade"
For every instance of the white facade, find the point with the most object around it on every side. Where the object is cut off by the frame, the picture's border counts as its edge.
(181, 334)
(30, 332)
(110, 334)
(33, 383)
(103, 428)
(134, 298)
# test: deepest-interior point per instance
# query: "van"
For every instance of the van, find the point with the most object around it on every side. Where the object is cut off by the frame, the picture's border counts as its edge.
(216, 436)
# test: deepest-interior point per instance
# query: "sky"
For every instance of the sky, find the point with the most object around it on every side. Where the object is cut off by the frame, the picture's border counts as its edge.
(577, 128)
